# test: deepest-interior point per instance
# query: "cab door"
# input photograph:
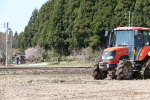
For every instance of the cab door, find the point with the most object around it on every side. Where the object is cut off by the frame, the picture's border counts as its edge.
(141, 39)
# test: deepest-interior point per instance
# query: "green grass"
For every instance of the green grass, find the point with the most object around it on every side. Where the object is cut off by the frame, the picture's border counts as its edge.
(61, 64)
(74, 64)
(7, 76)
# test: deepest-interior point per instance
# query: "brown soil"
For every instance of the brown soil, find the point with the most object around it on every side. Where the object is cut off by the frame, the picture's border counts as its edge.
(71, 87)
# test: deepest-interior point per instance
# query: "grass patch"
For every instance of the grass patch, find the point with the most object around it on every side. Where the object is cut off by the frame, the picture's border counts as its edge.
(61, 64)
(71, 63)
(7, 76)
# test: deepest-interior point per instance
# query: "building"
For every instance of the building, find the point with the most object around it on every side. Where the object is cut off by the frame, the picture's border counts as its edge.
(18, 59)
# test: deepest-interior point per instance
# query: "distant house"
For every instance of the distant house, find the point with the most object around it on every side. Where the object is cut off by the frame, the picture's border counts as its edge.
(18, 59)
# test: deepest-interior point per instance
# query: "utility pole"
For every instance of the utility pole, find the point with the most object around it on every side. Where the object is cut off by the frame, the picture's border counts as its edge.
(6, 43)
(127, 16)
(11, 43)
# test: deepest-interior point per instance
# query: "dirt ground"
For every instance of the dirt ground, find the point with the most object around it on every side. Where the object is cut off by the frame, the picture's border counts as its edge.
(71, 87)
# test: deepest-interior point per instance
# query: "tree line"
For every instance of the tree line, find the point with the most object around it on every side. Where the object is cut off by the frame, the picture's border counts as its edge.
(65, 25)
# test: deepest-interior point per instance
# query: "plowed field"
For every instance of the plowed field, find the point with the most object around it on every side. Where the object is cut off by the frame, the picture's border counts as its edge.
(71, 87)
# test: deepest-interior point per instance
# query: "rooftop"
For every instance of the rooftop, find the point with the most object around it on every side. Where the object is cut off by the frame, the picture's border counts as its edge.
(132, 28)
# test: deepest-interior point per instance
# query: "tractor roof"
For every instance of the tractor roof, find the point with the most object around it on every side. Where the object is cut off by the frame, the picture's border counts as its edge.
(131, 28)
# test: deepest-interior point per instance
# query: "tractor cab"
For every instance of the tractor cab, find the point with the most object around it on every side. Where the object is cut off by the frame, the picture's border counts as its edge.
(127, 55)
(133, 38)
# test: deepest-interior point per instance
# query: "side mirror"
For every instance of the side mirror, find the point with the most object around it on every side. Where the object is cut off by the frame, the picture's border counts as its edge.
(136, 32)
(106, 33)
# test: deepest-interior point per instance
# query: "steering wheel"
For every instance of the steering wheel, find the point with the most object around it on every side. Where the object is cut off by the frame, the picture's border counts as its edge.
(123, 44)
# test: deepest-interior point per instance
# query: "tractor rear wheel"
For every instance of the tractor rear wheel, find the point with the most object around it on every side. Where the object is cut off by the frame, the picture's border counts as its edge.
(124, 70)
(97, 73)
(145, 71)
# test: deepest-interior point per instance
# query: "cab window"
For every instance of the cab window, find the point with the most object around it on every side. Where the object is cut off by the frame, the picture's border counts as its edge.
(145, 36)
(149, 37)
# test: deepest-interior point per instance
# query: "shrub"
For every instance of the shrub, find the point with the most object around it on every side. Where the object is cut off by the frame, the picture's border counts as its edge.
(85, 55)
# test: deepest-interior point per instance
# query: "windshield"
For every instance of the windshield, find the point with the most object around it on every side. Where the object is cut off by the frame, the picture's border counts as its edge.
(122, 38)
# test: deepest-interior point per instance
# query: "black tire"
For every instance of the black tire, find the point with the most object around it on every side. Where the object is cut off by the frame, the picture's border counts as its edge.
(145, 71)
(137, 75)
(124, 70)
(97, 73)
(111, 75)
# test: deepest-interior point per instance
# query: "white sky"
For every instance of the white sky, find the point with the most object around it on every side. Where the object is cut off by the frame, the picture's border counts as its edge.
(17, 13)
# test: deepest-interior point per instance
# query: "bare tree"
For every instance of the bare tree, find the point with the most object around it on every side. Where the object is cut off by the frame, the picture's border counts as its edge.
(3, 42)
(85, 55)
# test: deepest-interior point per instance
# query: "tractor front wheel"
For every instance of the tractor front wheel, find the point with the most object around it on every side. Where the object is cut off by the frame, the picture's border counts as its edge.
(97, 73)
(124, 70)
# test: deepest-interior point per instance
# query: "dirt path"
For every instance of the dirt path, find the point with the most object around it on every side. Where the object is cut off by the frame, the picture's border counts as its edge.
(74, 87)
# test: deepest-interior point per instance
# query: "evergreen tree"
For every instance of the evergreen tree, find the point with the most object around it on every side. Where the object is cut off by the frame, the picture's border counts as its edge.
(121, 7)
(30, 30)
(140, 16)
(56, 33)
(15, 38)
(20, 42)
(82, 24)
(71, 12)
(44, 16)
(65, 25)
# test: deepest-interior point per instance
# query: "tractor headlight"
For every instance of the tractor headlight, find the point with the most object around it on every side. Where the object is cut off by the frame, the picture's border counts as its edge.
(108, 58)
(108, 55)
(103, 57)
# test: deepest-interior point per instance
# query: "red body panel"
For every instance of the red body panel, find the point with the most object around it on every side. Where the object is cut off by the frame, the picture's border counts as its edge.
(144, 52)
(120, 51)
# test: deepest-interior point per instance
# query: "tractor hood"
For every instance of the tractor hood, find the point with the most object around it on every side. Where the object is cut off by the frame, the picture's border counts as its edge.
(117, 49)
(112, 55)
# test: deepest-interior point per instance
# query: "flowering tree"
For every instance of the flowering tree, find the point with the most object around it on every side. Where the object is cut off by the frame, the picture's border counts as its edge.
(34, 54)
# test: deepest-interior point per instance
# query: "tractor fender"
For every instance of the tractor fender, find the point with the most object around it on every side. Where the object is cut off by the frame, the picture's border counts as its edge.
(124, 57)
(145, 52)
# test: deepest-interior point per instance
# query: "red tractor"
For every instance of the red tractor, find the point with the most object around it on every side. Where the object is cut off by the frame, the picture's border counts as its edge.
(127, 55)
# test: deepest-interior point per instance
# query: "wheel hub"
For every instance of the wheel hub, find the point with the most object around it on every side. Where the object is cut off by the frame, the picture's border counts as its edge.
(125, 71)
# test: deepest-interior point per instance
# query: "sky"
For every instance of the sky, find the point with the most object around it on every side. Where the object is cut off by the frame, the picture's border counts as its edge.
(17, 13)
